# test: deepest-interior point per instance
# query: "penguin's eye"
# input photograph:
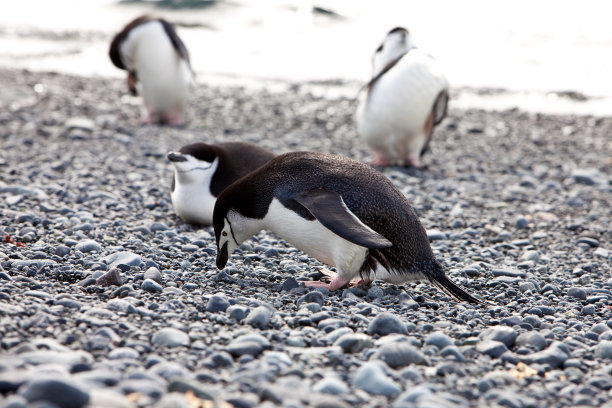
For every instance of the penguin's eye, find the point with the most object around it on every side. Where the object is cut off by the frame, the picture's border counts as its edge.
(224, 233)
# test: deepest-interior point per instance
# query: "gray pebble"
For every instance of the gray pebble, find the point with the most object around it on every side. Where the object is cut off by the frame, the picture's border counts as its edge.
(150, 285)
(312, 297)
(353, 343)
(604, 349)
(439, 339)
(59, 392)
(436, 235)
(110, 278)
(371, 377)
(386, 323)
(170, 337)
(123, 353)
(521, 222)
(531, 339)
(217, 303)
(259, 317)
(504, 334)
(588, 176)
(240, 348)
(555, 355)
(183, 386)
(88, 245)
(400, 354)
(237, 312)
(122, 258)
(154, 274)
(492, 348)
(530, 255)
(158, 226)
(330, 385)
(62, 250)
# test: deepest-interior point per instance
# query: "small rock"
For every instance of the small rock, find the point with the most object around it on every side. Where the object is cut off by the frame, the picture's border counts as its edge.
(59, 392)
(158, 226)
(170, 337)
(399, 354)
(592, 242)
(531, 339)
(183, 386)
(521, 222)
(578, 293)
(259, 317)
(492, 348)
(110, 278)
(312, 297)
(589, 176)
(122, 258)
(330, 385)
(237, 312)
(555, 355)
(530, 255)
(154, 274)
(80, 123)
(439, 339)
(353, 343)
(504, 334)
(217, 303)
(386, 323)
(371, 377)
(604, 349)
(150, 285)
(88, 245)
(436, 235)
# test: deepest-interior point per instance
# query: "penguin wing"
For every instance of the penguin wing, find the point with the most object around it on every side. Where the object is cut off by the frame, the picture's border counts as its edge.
(329, 208)
(176, 41)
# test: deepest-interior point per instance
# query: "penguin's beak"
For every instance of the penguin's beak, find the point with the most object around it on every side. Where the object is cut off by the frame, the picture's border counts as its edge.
(222, 256)
(176, 157)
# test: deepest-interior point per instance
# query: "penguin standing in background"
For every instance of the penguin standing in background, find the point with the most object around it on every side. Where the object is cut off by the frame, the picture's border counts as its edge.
(405, 99)
(339, 211)
(202, 171)
(158, 68)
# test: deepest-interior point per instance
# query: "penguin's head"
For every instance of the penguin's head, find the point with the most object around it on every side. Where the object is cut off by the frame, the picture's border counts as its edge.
(194, 163)
(231, 229)
(397, 42)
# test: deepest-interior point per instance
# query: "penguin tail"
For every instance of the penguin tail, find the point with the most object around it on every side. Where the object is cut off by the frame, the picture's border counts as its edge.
(438, 278)
(449, 287)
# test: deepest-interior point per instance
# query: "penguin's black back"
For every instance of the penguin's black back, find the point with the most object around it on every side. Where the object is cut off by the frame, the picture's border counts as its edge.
(365, 191)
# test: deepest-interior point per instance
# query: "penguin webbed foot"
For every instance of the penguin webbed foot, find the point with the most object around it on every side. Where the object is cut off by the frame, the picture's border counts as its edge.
(332, 281)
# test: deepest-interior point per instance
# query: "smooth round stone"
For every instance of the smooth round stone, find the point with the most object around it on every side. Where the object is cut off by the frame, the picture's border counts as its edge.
(219, 359)
(371, 377)
(296, 341)
(122, 258)
(555, 355)
(154, 274)
(399, 354)
(439, 339)
(123, 352)
(88, 245)
(386, 323)
(330, 385)
(600, 328)
(237, 312)
(150, 285)
(251, 348)
(189, 248)
(312, 297)
(259, 317)
(328, 325)
(217, 303)
(592, 242)
(183, 386)
(62, 250)
(353, 343)
(527, 286)
(504, 334)
(521, 222)
(530, 256)
(436, 235)
(59, 392)
(578, 293)
(492, 348)
(158, 226)
(170, 337)
(604, 349)
(532, 339)
(312, 307)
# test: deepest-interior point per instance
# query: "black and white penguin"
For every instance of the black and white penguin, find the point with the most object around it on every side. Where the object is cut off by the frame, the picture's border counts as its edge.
(202, 171)
(338, 210)
(402, 103)
(158, 67)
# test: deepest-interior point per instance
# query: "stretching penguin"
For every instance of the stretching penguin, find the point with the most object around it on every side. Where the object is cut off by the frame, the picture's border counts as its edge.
(202, 171)
(158, 67)
(338, 210)
(405, 99)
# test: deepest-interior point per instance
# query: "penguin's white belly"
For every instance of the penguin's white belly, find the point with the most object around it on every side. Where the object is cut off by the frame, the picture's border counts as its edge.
(164, 77)
(193, 203)
(314, 239)
(391, 117)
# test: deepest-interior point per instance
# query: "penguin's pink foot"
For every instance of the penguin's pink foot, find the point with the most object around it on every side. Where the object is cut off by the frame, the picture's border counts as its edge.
(415, 161)
(380, 160)
(335, 280)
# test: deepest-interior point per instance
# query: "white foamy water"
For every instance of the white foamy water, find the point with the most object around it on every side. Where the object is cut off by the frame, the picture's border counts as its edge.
(529, 48)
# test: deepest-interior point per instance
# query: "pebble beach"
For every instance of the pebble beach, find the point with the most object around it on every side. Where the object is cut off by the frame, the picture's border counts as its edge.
(107, 299)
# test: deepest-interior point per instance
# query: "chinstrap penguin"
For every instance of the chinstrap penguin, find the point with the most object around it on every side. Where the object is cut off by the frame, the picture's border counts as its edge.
(158, 67)
(339, 211)
(402, 103)
(202, 171)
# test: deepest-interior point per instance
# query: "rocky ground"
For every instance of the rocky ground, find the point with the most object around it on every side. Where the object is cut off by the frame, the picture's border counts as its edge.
(108, 299)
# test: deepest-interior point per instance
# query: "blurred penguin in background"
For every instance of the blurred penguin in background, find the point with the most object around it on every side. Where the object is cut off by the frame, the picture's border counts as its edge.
(405, 99)
(158, 67)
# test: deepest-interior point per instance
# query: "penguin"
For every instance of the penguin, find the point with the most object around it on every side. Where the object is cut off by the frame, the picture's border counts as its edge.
(202, 171)
(158, 67)
(402, 103)
(338, 210)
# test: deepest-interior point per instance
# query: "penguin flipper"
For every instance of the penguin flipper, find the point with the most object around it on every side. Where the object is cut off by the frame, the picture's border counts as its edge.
(329, 208)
